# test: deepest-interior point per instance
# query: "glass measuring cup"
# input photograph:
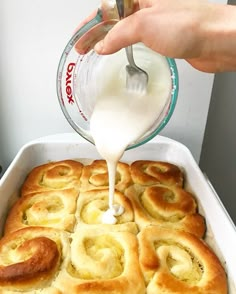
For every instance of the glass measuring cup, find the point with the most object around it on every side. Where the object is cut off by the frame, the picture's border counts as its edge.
(80, 70)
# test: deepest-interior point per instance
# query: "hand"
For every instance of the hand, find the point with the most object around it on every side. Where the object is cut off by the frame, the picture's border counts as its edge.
(201, 32)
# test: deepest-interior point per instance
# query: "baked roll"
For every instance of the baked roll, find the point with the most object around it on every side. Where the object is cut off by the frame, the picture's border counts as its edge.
(30, 259)
(102, 262)
(170, 206)
(92, 205)
(177, 262)
(48, 209)
(53, 176)
(148, 173)
(95, 176)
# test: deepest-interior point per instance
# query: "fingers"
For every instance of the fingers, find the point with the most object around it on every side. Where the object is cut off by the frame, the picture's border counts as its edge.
(126, 32)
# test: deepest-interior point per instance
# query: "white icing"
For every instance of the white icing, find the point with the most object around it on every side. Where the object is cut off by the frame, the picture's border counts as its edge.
(120, 117)
(109, 218)
(117, 210)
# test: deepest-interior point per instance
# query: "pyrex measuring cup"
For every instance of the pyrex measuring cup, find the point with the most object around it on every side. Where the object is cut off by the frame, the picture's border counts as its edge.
(80, 73)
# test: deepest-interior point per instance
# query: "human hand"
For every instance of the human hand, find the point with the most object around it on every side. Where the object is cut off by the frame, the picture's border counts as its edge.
(196, 30)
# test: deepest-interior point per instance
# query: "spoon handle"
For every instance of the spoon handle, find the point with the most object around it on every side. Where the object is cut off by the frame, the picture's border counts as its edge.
(124, 7)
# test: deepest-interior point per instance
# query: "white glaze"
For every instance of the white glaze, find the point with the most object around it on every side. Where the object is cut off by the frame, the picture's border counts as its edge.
(120, 117)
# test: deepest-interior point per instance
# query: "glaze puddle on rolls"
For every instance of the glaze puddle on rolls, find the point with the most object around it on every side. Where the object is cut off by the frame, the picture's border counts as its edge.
(55, 242)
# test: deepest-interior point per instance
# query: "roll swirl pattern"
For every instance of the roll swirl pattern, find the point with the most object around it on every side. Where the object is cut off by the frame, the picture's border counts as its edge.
(92, 205)
(177, 262)
(48, 209)
(102, 262)
(95, 176)
(53, 176)
(148, 172)
(167, 206)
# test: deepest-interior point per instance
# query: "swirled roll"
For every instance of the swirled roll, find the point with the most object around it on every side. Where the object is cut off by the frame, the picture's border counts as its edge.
(92, 205)
(148, 172)
(53, 176)
(48, 209)
(177, 262)
(30, 258)
(102, 262)
(95, 176)
(170, 206)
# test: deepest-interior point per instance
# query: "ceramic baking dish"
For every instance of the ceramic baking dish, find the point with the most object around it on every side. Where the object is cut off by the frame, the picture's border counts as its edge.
(221, 232)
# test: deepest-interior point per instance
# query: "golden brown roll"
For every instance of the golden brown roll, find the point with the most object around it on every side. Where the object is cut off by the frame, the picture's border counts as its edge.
(48, 209)
(177, 262)
(170, 206)
(30, 258)
(148, 172)
(53, 176)
(95, 176)
(92, 204)
(102, 262)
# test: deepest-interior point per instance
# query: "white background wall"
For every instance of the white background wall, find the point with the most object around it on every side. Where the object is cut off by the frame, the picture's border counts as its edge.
(33, 36)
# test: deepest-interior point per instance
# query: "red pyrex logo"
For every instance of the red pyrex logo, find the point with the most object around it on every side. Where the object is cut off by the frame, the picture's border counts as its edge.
(69, 71)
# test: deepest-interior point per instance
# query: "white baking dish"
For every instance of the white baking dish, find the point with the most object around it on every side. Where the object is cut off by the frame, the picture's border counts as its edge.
(221, 232)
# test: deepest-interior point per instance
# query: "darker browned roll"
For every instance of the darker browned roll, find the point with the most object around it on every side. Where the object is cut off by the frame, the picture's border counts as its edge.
(30, 258)
(178, 262)
(48, 209)
(148, 172)
(95, 176)
(171, 207)
(53, 176)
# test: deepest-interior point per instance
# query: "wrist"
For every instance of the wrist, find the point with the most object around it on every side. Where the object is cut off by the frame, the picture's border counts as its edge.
(219, 33)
